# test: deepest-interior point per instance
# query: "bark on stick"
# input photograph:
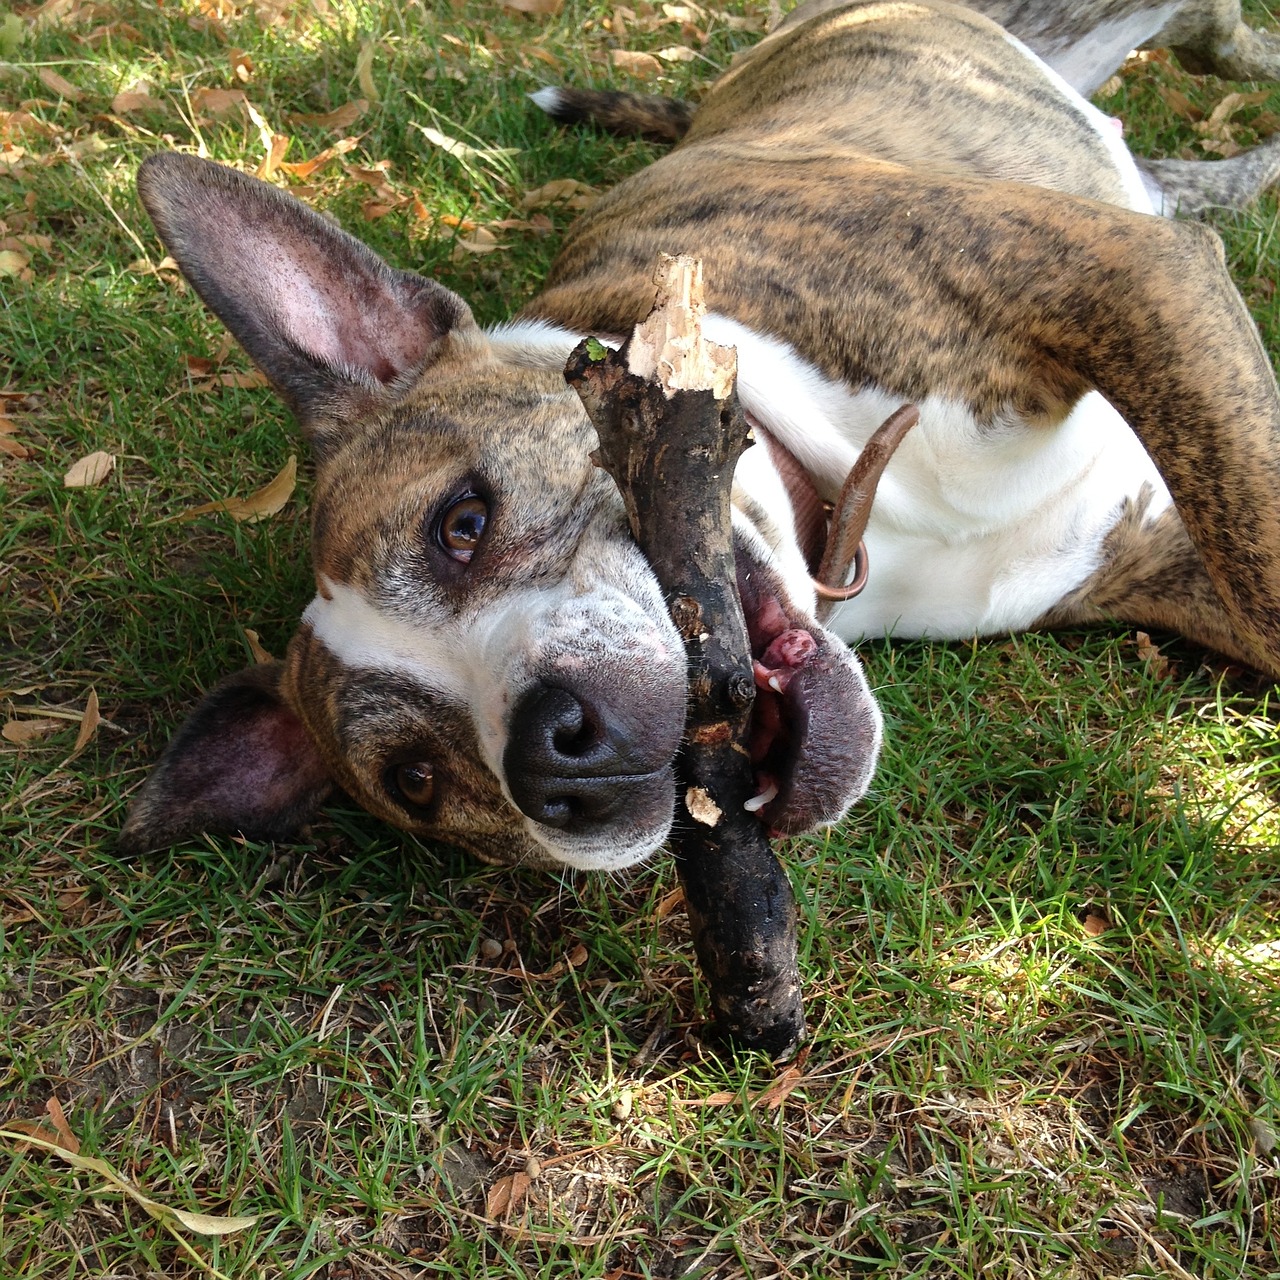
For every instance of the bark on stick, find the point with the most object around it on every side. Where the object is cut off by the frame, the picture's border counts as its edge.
(671, 433)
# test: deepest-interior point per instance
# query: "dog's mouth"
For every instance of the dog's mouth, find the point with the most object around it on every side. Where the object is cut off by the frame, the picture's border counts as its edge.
(815, 730)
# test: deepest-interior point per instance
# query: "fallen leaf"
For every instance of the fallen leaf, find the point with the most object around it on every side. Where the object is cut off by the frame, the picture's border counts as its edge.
(1095, 925)
(339, 118)
(68, 1140)
(481, 240)
(771, 1098)
(24, 731)
(57, 84)
(1151, 655)
(22, 242)
(364, 70)
(13, 262)
(670, 902)
(507, 1194)
(566, 191)
(537, 52)
(534, 6)
(244, 381)
(89, 471)
(11, 448)
(260, 655)
(202, 1223)
(88, 725)
(1221, 115)
(218, 102)
(1178, 102)
(677, 53)
(642, 65)
(1110, 88)
(464, 150)
(241, 65)
(305, 168)
(130, 100)
(258, 505)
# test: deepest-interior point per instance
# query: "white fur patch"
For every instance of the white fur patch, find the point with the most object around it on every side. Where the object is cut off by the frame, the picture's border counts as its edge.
(973, 531)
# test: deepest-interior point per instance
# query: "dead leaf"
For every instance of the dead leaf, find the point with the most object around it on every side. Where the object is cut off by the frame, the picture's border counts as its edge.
(19, 243)
(127, 101)
(771, 1098)
(506, 1195)
(1221, 115)
(1178, 102)
(1095, 925)
(464, 150)
(539, 54)
(25, 731)
(241, 65)
(676, 53)
(89, 723)
(364, 70)
(481, 240)
(670, 902)
(218, 102)
(67, 1140)
(342, 117)
(567, 191)
(534, 6)
(57, 84)
(201, 1223)
(258, 505)
(1151, 655)
(90, 470)
(305, 168)
(244, 381)
(643, 65)
(10, 447)
(260, 655)
(1110, 88)
(13, 262)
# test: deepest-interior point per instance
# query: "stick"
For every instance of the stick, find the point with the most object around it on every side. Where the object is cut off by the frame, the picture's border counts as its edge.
(671, 433)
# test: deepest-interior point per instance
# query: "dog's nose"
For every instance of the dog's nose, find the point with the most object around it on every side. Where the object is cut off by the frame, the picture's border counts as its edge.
(573, 763)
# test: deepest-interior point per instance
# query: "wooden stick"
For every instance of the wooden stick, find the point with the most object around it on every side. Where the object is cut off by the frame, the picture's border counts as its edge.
(671, 433)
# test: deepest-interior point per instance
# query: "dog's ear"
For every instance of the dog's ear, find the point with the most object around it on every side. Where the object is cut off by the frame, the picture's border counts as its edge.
(332, 326)
(242, 764)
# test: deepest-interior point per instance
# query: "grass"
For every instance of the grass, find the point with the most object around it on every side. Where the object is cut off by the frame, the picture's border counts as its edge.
(1042, 962)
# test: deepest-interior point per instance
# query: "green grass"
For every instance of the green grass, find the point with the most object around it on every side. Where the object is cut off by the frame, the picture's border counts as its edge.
(1042, 961)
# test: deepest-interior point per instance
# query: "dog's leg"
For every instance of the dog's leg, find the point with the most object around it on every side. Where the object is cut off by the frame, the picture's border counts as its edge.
(1190, 186)
(1152, 576)
(1211, 38)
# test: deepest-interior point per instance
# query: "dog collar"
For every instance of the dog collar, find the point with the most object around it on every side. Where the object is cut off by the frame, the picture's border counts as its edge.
(830, 535)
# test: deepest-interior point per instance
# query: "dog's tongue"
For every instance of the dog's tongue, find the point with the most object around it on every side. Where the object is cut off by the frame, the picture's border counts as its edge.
(779, 662)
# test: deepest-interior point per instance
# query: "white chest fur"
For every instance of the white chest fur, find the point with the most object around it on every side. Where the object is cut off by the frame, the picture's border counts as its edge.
(974, 530)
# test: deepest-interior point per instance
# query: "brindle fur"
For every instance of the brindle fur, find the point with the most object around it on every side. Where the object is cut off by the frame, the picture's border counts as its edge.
(856, 192)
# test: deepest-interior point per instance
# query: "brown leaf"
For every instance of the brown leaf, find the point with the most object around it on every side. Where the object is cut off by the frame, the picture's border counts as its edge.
(129, 100)
(64, 88)
(13, 262)
(340, 118)
(534, 6)
(260, 655)
(1151, 655)
(676, 53)
(567, 191)
(1221, 115)
(1178, 102)
(642, 65)
(89, 723)
(241, 65)
(43, 243)
(218, 102)
(244, 381)
(258, 505)
(771, 1098)
(506, 1195)
(89, 471)
(1095, 925)
(24, 731)
(11, 448)
(305, 168)
(66, 1139)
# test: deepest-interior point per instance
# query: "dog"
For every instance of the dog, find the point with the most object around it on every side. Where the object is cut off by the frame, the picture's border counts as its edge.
(894, 202)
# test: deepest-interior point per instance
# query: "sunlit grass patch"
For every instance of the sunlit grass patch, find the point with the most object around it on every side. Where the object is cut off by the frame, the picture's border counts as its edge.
(1041, 961)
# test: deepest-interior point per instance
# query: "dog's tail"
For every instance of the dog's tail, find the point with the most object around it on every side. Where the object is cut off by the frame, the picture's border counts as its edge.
(630, 115)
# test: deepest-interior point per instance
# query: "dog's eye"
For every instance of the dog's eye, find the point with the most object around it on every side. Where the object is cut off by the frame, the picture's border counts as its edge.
(413, 783)
(461, 527)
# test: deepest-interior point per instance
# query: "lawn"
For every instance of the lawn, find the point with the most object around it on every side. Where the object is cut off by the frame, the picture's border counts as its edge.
(1042, 960)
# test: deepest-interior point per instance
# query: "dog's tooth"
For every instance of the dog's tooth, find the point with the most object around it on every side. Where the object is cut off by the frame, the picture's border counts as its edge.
(775, 684)
(756, 803)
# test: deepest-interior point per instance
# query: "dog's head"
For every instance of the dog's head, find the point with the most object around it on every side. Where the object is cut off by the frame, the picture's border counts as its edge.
(488, 660)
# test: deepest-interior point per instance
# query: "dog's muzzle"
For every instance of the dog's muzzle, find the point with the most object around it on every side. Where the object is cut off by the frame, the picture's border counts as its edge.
(579, 764)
